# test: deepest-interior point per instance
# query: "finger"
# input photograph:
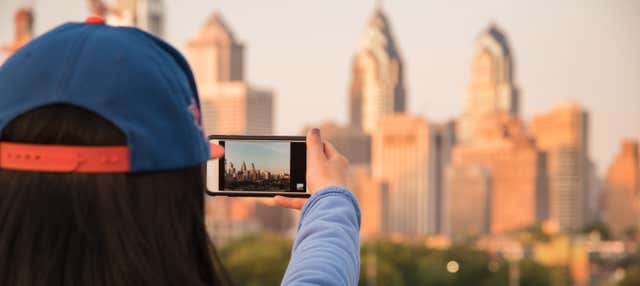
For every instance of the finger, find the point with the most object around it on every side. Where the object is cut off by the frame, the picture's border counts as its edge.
(330, 151)
(314, 145)
(292, 203)
(217, 151)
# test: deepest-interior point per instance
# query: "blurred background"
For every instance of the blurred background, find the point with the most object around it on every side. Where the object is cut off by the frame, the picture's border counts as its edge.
(491, 142)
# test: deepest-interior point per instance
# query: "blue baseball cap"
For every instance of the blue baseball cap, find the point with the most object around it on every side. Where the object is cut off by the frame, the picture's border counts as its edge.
(135, 80)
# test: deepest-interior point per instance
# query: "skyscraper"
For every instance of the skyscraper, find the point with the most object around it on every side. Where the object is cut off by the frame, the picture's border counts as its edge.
(403, 156)
(23, 31)
(491, 89)
(444, 140)
(622, 191)
(468, 201)
(517, 168)
(492, 136)
(377, 86)
(562, 134)
(229, 104)
(221, 53)
(372, 196)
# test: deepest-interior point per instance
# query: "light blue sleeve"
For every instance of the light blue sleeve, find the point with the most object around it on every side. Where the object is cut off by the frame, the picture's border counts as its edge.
(327, 247)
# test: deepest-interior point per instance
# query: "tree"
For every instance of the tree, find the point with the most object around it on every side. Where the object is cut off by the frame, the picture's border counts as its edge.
(474, 265)
(257, 260)
(531, 274)
(631, 277)
(262, 260)
(385, 272)
(414, 264)
(599, 227)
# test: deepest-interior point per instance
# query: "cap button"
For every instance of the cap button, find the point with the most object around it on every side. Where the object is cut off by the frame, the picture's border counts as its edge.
(95, 20)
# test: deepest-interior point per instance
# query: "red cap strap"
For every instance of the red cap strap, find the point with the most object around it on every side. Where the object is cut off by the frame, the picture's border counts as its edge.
(59, 158)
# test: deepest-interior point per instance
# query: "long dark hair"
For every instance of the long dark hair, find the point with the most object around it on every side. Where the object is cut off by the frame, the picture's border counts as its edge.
(99, 229)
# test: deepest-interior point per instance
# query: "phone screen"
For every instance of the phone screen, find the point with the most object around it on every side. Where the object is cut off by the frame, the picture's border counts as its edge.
(261, 166)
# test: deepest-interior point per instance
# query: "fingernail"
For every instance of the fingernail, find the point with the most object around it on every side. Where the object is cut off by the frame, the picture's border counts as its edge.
(315, 131)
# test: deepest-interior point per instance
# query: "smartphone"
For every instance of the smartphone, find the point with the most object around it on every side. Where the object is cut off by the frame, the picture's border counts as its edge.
(259, 166)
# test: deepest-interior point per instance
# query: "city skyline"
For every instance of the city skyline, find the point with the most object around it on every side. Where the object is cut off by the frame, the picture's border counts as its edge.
(231, 167)
(251, 178)
(269, 156)
(492, 176)
(589, 57)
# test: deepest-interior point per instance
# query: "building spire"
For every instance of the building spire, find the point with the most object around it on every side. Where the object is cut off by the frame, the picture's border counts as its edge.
(377, 54)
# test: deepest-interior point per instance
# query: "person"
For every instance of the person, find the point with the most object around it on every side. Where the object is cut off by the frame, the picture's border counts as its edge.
(102, 171)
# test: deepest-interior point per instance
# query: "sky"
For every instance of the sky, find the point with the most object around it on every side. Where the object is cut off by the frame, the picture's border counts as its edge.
(582, 50)
(270, 156)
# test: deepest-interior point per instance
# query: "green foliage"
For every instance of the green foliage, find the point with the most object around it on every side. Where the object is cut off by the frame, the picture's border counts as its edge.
(531, 234)
(262, 260)
(531, 274)
(599, 227)
(257, 260)
(631, 277)
(630, 233)
(474, 265)
(560, 276)
(631, 260)
(631, 265)
(386, 273)
(407, 264)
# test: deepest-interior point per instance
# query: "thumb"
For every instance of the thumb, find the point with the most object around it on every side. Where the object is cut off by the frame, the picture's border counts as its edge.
(217, 151)
(330, 151)
(315, 149)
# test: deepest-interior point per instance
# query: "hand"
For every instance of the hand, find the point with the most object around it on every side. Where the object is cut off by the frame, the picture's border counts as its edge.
(325, 167)
(217, 151)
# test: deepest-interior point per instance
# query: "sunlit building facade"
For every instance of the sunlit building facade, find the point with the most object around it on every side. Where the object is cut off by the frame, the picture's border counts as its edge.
(372, 196)
(518, 176)
(237, 108)
(229, 104)
(622, 192)
(403, 157)
(491, 136)
(468, 202)
(492, 89)
(377, 86)
(562, 133)
(220, 53)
